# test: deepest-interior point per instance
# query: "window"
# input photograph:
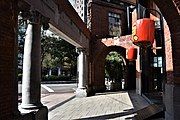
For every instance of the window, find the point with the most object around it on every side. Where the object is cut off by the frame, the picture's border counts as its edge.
(157, 61)
(114, 24)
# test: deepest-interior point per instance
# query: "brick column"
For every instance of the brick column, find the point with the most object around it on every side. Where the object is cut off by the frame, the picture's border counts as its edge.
(172, 87)
(32, 64)
(8, 60)
(131, 75)
(82, 73)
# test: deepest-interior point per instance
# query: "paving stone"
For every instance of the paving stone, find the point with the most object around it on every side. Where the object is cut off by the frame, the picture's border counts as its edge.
(117, 106)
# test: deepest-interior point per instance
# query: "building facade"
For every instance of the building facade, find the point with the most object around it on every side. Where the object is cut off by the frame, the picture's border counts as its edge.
(108, 25)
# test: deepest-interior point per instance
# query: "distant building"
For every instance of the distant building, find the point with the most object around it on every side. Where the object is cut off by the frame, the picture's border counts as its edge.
(81, 7)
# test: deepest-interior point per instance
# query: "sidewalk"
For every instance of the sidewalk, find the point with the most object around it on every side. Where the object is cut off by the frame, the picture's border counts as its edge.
(112, 105)
(54, 100)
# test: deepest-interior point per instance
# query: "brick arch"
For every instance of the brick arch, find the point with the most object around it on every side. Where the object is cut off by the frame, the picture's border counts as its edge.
(99, 65)
(170, 11)
(119, 49)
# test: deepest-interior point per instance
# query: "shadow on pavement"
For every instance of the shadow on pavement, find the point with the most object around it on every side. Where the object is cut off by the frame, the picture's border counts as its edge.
(109, 116)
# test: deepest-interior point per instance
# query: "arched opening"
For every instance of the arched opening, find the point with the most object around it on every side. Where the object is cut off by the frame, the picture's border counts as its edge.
(114, 71)
(106, 58)
(170, 12)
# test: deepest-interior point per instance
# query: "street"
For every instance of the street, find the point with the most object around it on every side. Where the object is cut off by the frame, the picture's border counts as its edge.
(53, 95)
(54, 88)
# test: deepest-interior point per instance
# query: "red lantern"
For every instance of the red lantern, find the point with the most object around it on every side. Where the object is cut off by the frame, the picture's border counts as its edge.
(132, 54)
(143, 32)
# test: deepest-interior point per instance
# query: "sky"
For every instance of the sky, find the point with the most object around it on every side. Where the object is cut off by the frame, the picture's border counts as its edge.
(71, 1)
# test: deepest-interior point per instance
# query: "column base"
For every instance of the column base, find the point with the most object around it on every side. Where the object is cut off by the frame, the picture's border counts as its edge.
(81, 92)
(172, 102)
(35, 114)
(30, 106)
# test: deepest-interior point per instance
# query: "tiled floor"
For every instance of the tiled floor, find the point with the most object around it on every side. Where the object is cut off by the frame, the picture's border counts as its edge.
(114, 105)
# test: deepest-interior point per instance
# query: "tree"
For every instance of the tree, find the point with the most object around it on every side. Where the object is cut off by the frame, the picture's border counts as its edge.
(22, 25)
(56, 52)
(114, 66)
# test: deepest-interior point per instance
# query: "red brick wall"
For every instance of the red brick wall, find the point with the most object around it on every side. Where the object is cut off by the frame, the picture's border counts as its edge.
(126, 43)
(100, 49)
(8, 24)
(168, 50)
(172, 38)
(99, 20)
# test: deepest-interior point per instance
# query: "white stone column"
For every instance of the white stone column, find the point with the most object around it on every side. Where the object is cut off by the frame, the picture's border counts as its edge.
(31, 88)
(82, 73)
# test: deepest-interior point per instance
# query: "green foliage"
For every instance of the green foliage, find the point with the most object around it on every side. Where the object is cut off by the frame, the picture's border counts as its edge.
(22, 25)
(56, 78)
(56, 52)
(19, 77)
(114, 66)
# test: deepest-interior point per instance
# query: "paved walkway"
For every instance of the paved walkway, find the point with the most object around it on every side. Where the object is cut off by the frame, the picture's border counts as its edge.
(112, 105)
(54, 100)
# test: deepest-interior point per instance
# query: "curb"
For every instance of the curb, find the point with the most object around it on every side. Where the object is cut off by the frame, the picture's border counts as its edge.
(54, 82)
(58, 82)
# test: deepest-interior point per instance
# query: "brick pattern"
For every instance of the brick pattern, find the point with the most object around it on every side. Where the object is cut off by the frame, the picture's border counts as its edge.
(99, 21)
(173, 18)
(125, 42)
(100, 49)
(168, 50)
(168, 53)
(8, 24)
(171, 39)
(176, 57)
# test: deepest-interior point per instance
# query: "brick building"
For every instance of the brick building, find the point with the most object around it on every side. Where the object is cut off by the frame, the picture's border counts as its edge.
(108, 25)
(81, 7)
(99, 20)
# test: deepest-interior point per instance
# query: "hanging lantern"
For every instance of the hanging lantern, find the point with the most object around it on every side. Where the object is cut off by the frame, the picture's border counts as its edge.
(143, 32)
(132, 54)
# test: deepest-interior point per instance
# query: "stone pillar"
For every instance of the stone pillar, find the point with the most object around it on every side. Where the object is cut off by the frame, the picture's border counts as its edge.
(32, 64)
(82, 73)
(31, 82)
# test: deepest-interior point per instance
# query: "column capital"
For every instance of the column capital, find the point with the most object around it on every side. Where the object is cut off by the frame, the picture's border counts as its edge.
(35, 17)
(32, 16)
(80, 49)
(45, 22)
